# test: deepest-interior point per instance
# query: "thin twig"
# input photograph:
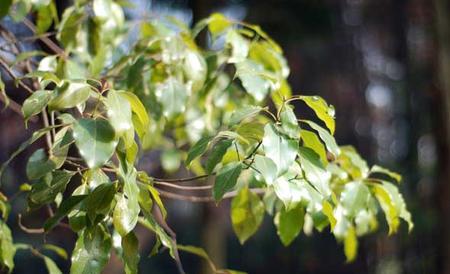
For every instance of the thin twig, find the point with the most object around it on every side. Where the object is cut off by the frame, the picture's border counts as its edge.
(188, 188)
(188, 179)
(203, 199)
(54, 47)
(29, 230)
(13, 76)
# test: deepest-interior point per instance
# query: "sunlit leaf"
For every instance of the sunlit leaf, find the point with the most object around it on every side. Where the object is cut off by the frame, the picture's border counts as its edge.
(324, 111)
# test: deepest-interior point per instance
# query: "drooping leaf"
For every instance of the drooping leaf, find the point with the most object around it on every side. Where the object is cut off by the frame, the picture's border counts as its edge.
(91, 252)
(239, 47)
(195, 69)
(226, 179)
(51, 266)
(315, 173)
(219, 149)
(324, 111)
(326, 137)
(69, 95)
(350, 245)
(130, 256)
(198, 149)
(48, 187)
(95, 140)
(61, 252)
(150, 223)
(247, 212)
(172, 95)
(38, 165)
(289, 223)
(7, 248)
(119, 112)
(63, 210)
(267, 168)
(281, 150)
(289, 122)
(354, 198)
(99, 201)
(394, 175)
(253, 79)
(36, 103)
(311, 141)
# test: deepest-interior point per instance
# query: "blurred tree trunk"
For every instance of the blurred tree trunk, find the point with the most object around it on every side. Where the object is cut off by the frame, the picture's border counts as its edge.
(443, 57)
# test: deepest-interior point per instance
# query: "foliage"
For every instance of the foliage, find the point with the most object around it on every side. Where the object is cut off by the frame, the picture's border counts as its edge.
(225, 110)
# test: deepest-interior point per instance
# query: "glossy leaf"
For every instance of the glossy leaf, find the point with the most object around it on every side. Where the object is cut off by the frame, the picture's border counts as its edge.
(91, 252)
(281, 150)
(198, 149)
(45, 191)
(70, 95)
(253, 80)
(172, 95)
(311, 141)
(63, 210)
(119, 112)
(226, 179)
(36, 103)
(99, 201)
(315, 173)
(267, 168)
(95, 140)
(326, 137)
(289, 122)
(218, 151)
(247, 112)
(247, 212)
(324, 111)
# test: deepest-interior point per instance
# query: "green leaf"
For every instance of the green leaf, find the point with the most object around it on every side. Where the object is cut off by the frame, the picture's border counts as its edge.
(389, 208)
(352, 163)
(226, 179)
(38, 165)
(394, 175)
(281, 150)
(247, 213)
(253, 79)
(69, 27)
(350, 245)
(44, 18)
(266, 167)
(314, 171)
(99, 201)
(48, 187)
(51, 266)
(172, 95)
(217, 23)
(150, 223)
(354, 198)
(324, 111)
(289, 223)
(138, 108)
(69, 95)
(195, 69)
(289, 122)
(130, 256)
(157, 198)
(311, 141)
(239, 47)
(91, 252)
(36, 103)
(36, 135)
(328, 211)
(95, 140)
(119, 112)
(4, 7)
(95, 177)
(218, 151)
(58, 250)
(326, 137)
(63, 210)
(127, 209)
(198, 149)
(245, 113)
(7, 248)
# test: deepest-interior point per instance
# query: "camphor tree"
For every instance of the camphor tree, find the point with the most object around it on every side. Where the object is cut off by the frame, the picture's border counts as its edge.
(225, 111)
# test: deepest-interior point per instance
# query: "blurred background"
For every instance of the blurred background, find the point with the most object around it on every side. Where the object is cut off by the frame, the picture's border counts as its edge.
(385, 66)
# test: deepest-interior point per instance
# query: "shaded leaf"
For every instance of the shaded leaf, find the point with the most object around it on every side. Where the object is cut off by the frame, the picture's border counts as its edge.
(130, 256)
(289, 223)
(63, 210)
(218, 151)
(226, 179)
(36, 103)
(247, 213)
(198, 149)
